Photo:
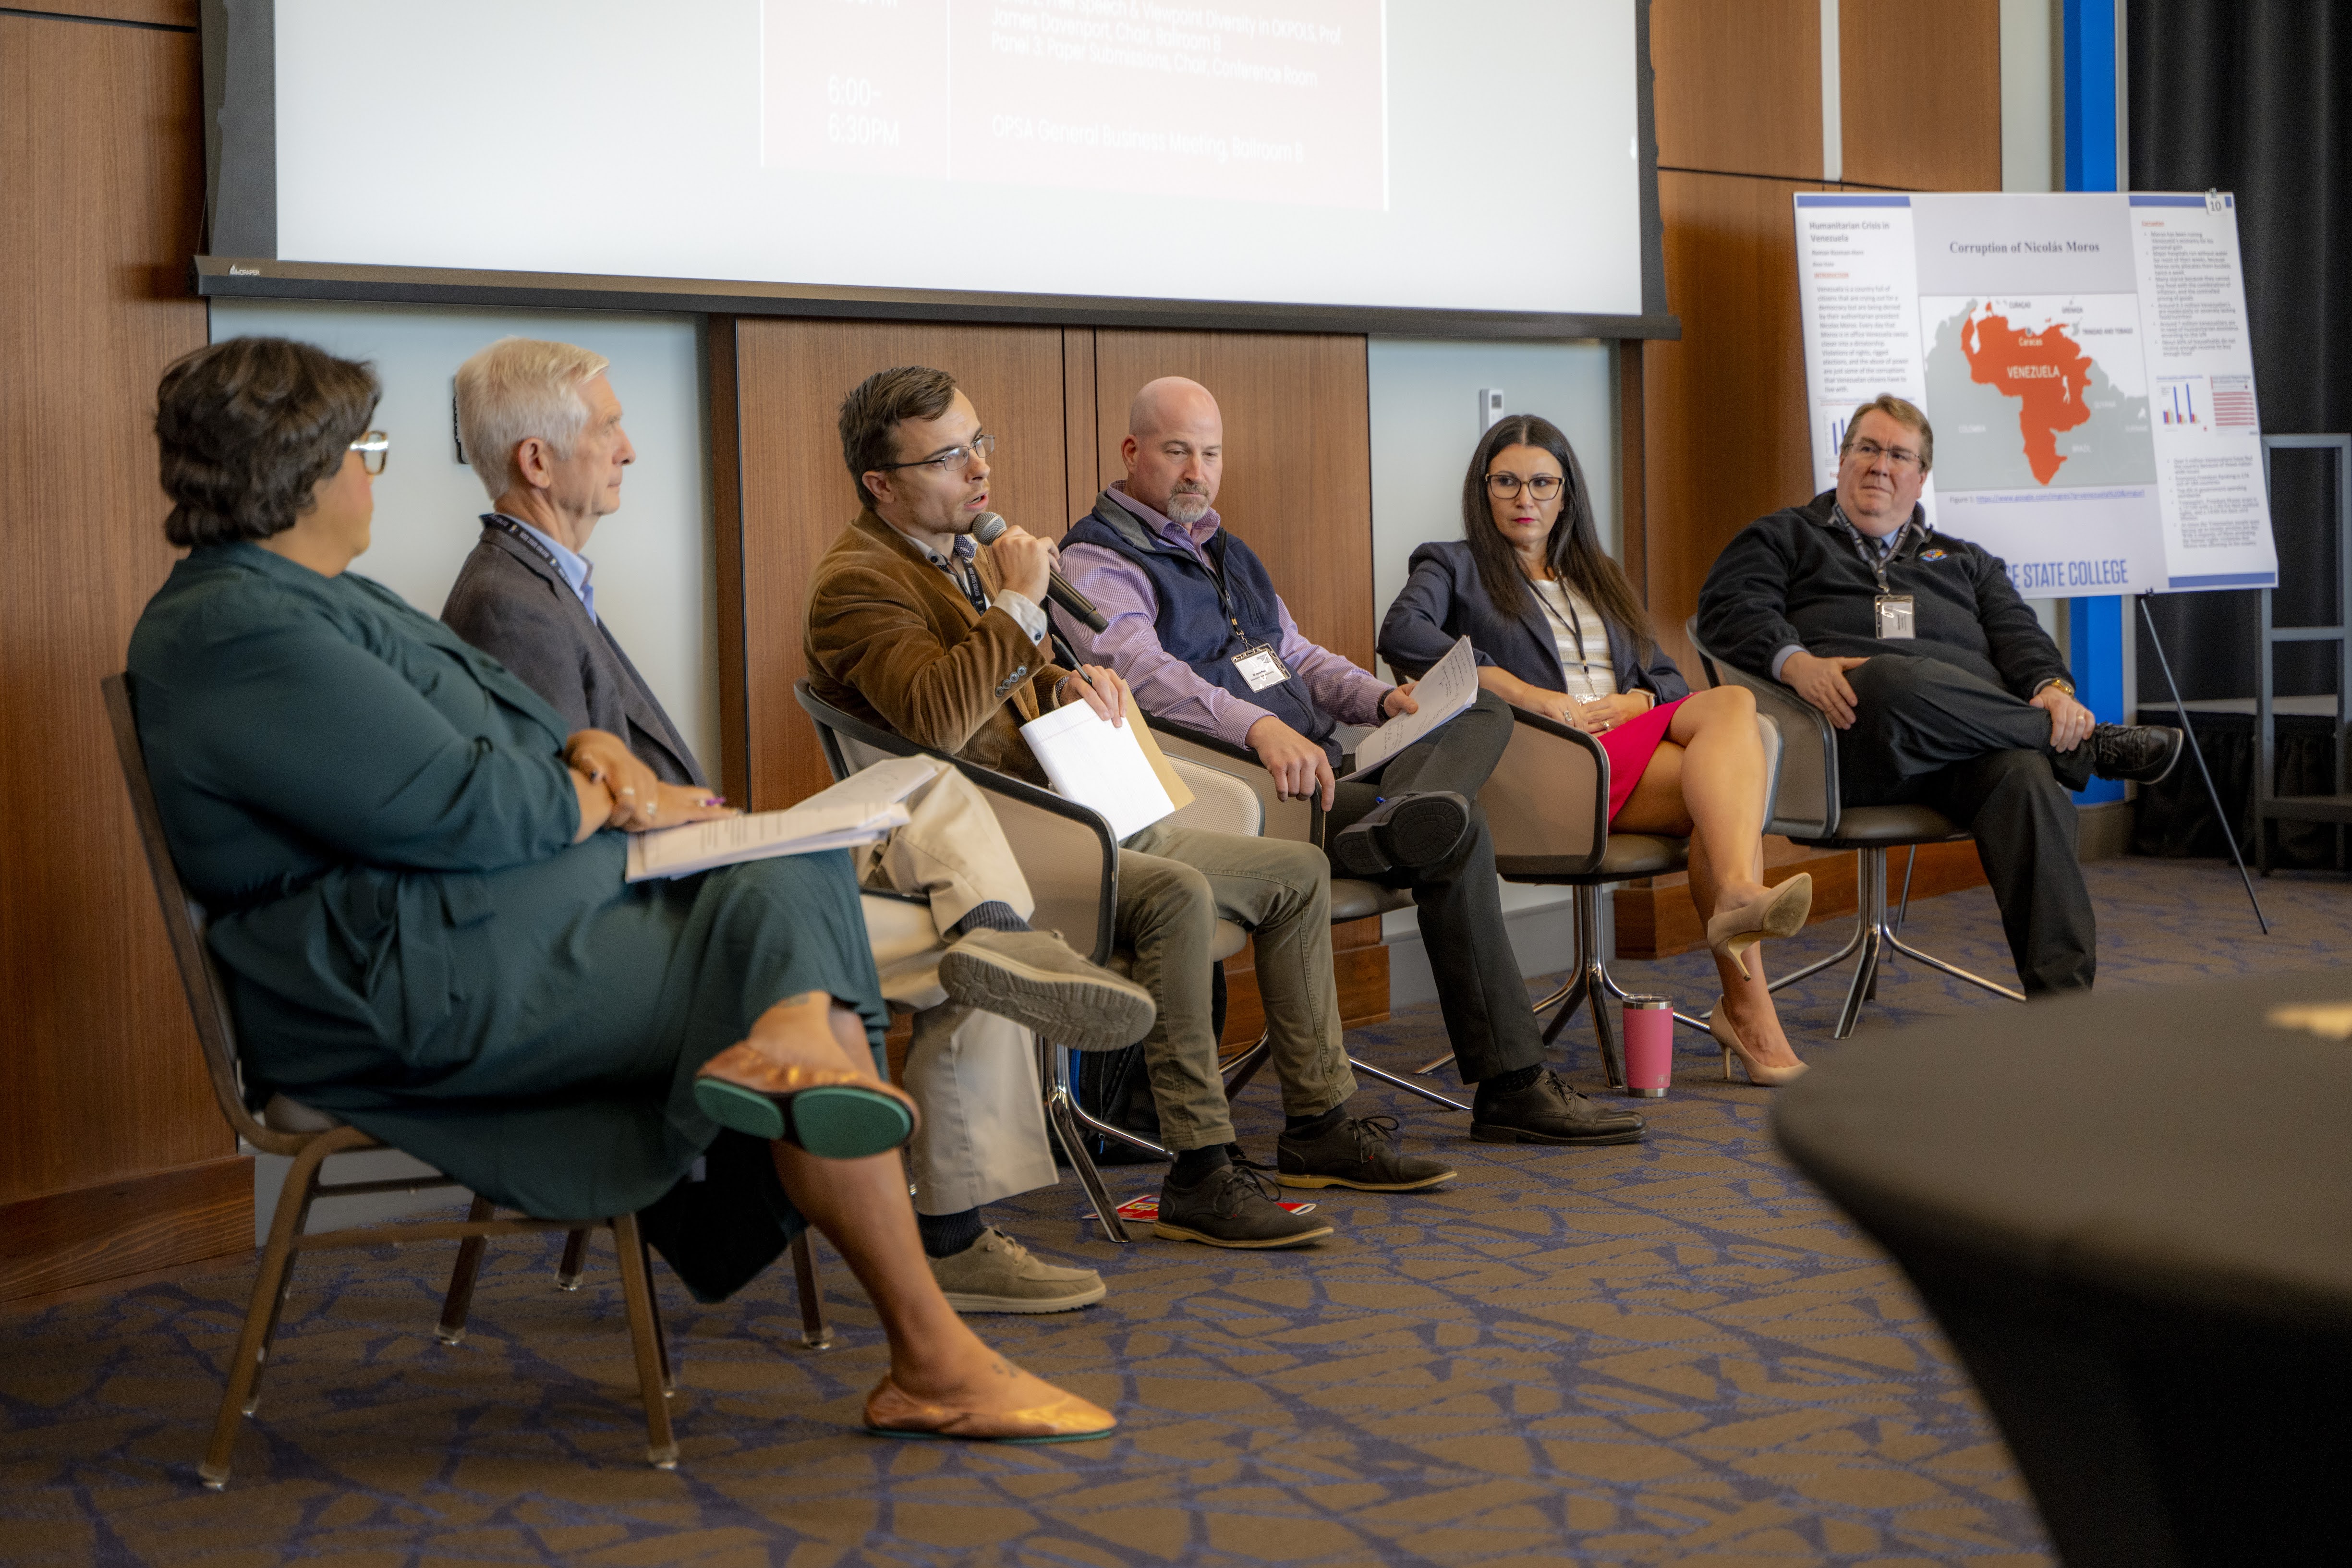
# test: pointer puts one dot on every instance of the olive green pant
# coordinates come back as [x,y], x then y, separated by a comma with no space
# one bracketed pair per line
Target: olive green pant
[1175,885]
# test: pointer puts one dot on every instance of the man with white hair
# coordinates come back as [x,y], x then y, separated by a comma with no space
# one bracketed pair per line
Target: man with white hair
[542,428]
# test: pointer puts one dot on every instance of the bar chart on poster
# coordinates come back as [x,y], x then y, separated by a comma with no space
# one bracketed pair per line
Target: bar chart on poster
[1279,105]
[2084,361]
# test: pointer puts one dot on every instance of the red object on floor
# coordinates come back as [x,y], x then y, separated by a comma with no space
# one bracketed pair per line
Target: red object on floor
[1629,747]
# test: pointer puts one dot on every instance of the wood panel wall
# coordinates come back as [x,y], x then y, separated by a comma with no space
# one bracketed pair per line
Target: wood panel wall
[1297,484]
[113,1158]
[797,495]
[1739,105]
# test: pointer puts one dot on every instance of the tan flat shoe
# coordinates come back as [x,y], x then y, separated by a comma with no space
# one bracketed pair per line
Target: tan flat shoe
[1779,911]
[891,1412]
[833,1113]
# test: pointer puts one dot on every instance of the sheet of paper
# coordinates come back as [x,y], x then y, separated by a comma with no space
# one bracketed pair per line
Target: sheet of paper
[858,810]
[1450,685]
[1100,764]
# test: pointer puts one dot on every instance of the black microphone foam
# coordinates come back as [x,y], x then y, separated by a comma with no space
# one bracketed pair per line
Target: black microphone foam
[988,527]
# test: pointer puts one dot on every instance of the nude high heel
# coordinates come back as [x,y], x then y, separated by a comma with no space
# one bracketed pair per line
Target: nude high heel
[1719,1025]
[1779,911]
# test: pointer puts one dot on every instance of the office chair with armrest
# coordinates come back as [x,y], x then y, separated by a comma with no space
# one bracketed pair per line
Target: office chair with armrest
[1071,863]
[1806,809]
[311,1138]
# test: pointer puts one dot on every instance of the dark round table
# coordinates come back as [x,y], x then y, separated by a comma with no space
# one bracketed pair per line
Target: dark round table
[2131,1212]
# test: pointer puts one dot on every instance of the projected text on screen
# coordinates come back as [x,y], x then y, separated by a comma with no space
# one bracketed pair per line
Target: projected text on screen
[1283,103]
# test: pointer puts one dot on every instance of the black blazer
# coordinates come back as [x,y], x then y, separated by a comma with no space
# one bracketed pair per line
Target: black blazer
[510,601]
[1445,598]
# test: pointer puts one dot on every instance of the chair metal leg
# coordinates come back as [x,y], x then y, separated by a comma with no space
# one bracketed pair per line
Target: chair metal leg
[575,1254]
[1407,1085]
[461,1300]
[1908,951]
[270,1283]
[1069,1121]
[815,1334]
[638,1296]
[1852,945]
[1877,939]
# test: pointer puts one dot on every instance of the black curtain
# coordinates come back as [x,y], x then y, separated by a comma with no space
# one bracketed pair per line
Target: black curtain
[2256,97]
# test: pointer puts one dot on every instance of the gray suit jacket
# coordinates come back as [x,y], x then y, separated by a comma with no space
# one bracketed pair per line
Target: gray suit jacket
[511,602]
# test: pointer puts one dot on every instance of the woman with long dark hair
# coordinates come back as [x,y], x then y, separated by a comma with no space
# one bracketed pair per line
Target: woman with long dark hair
[1559,631]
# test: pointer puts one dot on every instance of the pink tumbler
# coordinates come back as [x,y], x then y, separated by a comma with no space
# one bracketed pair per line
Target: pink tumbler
[1649,1046]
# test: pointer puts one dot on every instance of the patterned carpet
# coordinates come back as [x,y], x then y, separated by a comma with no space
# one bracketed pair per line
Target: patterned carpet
[1672,1352]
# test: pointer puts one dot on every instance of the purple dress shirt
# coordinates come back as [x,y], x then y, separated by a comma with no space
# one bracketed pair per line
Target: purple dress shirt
[1165,685]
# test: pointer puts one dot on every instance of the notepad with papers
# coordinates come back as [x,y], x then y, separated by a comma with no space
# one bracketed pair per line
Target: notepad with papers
[859,810]
[1104,766]
[1450,685]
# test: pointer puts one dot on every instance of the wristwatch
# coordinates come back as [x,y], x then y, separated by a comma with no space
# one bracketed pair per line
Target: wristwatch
[2060,681]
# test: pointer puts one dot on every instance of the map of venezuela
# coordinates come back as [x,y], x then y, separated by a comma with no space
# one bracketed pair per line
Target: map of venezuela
[2024,394]
[2043,370]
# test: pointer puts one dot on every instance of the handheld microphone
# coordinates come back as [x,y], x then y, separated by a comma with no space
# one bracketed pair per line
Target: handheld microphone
[988,527]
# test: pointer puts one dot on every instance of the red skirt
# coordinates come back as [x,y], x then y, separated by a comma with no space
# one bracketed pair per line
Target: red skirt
[1629,747]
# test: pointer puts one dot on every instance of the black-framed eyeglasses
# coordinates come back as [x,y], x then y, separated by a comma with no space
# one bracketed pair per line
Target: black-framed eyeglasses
[373,447]
[1543,487]
[954,458]
[1870,451]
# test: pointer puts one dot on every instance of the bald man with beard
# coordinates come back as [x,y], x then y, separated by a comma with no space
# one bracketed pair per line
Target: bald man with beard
[1195,627]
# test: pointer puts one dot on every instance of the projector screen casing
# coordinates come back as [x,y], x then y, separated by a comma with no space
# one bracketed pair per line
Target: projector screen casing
[241,58]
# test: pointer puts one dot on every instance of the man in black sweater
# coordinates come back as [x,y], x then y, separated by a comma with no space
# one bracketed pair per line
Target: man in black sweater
[1950,693]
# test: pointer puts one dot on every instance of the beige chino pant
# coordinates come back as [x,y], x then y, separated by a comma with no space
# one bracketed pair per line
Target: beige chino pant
[972,1074]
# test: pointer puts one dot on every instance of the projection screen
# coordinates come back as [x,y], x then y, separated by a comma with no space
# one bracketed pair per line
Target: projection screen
[1402,164]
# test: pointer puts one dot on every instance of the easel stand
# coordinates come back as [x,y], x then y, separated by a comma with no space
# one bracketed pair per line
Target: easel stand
[2229,832]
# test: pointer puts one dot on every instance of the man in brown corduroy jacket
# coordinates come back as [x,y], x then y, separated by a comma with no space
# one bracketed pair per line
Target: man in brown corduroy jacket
[914,627]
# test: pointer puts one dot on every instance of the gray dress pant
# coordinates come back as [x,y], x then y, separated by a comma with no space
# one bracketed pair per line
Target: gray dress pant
[1927,733]
[1480,990]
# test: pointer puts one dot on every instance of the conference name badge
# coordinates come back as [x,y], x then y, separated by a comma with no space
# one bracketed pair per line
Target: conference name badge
[1896,616]
[1261,666]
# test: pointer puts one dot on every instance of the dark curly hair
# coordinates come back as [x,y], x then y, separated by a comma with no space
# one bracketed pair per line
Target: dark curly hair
[871,415]
[248,429]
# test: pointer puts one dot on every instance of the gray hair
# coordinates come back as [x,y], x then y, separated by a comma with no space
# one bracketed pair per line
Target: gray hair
[1904,412]
[518,388]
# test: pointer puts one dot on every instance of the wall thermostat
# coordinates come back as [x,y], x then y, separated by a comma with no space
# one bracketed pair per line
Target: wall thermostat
[1490,408]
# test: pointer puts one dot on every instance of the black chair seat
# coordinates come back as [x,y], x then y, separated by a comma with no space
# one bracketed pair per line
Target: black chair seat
[1354,900]
[1627,855]
[1877,826]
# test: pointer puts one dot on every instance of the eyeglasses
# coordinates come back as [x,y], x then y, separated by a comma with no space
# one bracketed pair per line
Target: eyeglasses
[1543,487]
[1870,451]
[954,458]
[373,447]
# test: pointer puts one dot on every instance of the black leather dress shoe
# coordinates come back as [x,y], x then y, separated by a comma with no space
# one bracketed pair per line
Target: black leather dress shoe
[1405,832]
[1359,1153]
[2143,753]
[1548,1111]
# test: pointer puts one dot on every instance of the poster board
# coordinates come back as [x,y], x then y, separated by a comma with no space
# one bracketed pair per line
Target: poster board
[2085,360]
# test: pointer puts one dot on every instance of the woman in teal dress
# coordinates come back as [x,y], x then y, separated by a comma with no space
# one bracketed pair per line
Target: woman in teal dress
[422,916]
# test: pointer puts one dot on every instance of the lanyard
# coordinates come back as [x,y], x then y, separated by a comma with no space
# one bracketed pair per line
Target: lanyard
[1215,562]
[500,519]
[1877,561]
[1575,625]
